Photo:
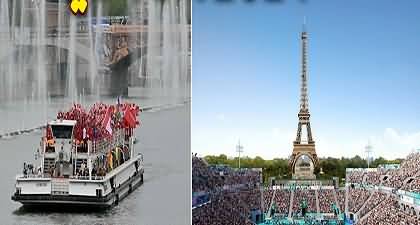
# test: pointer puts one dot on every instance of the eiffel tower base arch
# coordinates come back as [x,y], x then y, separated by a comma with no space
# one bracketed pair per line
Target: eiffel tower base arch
[303,172]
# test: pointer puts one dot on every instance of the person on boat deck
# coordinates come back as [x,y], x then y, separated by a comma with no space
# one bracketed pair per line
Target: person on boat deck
[51,171]
[82,168]
[39,171]
[24,169]
[94,170]
[29,169]
[84,139]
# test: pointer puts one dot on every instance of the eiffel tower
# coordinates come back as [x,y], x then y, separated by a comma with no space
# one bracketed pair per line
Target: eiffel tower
[304,145]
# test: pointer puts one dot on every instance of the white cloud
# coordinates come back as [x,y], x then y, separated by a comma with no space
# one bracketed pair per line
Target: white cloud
[393,144]
[390,144]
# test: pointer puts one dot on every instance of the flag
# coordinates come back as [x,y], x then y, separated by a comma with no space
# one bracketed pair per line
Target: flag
[130,118]
[106,123]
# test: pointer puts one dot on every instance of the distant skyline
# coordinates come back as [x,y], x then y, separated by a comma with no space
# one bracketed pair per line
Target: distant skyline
[364,77]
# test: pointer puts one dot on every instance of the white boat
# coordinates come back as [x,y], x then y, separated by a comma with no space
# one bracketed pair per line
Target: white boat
[94,173]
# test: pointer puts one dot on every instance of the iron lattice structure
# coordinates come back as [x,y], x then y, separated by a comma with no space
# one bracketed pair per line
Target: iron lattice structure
[304,143]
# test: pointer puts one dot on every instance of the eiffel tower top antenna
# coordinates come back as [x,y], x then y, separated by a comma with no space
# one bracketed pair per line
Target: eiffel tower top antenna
[304,105]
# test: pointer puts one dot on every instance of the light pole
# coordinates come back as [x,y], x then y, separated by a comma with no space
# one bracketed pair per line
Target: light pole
[239,148]
[368,150]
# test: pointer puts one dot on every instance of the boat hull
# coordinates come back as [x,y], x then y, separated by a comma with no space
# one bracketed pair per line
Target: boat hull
[113,198]
[125,181]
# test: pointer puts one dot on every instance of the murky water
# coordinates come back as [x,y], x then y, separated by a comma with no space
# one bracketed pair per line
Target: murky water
[164,198]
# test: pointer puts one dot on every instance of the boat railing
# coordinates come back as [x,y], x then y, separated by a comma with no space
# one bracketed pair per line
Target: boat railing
[32,176]
[87,177]
[104,145]
[49,176]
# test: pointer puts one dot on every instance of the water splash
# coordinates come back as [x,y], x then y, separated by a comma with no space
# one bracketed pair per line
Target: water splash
[98,44]
[5,45]
[28,68]
[41,48]
[167,46]
[93,70]
[71,75]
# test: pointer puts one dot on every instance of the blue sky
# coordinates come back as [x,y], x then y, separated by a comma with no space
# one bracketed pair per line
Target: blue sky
[364,76]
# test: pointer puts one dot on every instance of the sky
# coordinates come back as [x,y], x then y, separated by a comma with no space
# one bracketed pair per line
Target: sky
[363,71]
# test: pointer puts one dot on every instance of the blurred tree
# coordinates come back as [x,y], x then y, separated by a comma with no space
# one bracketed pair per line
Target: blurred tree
[331,167]
[110,7]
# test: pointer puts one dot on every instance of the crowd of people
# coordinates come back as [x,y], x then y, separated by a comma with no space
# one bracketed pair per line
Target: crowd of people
[281,200]
[238,194]
[223,209]
[326,200]
[304,196]
[366,177]
[357,196]
[233,194]
[268,196]
[389,213]
[341,198]
[202,178]
[212,178]
[414,185]
[280,203]
[391,177]
[355,176]
[409,168]
[376,199]
[379,207]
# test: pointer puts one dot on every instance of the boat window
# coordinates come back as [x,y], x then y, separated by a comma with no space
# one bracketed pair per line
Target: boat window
[62,131]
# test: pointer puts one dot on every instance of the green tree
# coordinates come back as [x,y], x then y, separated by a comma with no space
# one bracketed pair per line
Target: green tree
[331,167]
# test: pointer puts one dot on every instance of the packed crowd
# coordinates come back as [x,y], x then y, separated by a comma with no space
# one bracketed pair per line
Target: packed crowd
[213,178]
[341,198]
[233,177]
[302,196]
[375,200]
[355,177]
[282,201]
[374,207]
[268,195]
[379,207]
[245,200]
[221,210]
[409,168]
[357,196]
[366,177]
[234,194]
[394,178]
[374,178]
[389,213]
[414,185]
[202,178]
[326,200]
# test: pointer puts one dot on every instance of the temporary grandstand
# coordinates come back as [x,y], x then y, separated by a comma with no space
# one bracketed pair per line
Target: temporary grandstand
[387,195]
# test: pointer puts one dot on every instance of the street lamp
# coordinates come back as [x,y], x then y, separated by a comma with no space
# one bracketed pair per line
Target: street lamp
[239,148]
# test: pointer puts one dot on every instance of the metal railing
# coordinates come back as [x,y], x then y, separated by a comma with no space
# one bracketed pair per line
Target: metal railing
[32,176]
[87,177]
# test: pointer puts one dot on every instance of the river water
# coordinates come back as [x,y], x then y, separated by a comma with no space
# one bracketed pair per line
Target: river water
[164,140]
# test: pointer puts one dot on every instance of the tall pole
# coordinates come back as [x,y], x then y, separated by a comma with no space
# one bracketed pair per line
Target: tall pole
[368,150]
[239,148]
